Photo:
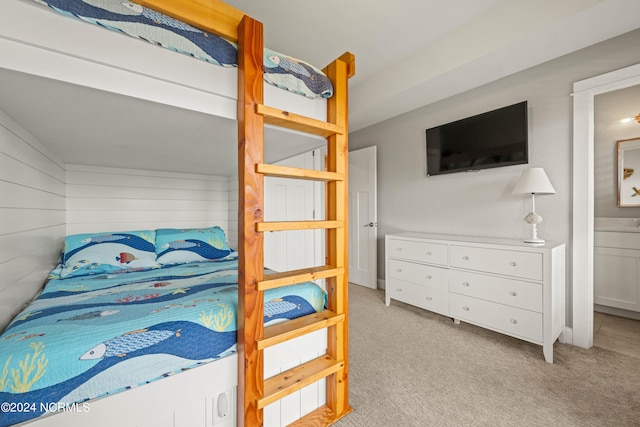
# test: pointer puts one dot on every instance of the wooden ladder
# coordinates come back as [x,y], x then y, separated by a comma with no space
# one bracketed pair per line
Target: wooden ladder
[254,391]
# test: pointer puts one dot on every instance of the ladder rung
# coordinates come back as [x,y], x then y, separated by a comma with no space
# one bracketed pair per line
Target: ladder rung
[288,172]
[274,116]
[297,225]
[294,328]
[284,278]
[321,417]
[279,386]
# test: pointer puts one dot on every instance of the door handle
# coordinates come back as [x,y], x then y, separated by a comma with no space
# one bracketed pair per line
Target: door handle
[371,224]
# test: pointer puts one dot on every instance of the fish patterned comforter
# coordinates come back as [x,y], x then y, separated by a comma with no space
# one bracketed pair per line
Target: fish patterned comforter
[91,336]
[146,24]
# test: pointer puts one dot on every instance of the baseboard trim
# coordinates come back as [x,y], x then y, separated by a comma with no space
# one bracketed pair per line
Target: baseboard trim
[566,337]
[382,284]
[620,312]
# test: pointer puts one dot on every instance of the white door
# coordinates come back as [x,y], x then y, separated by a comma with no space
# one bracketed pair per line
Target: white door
[363,217]
[291,200]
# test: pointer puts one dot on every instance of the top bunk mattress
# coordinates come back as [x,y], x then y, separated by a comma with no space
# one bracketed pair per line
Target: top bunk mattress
[36,40]
[141,22]
[90,336]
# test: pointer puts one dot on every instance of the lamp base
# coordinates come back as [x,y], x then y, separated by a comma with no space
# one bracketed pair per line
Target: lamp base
[535,241]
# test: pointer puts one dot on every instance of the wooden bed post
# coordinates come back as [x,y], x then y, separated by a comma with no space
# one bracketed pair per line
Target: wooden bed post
[250,212]
[337,244]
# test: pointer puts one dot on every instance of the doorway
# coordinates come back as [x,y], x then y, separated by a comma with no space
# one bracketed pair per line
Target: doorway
[584,93]
[363,218]
[616,212]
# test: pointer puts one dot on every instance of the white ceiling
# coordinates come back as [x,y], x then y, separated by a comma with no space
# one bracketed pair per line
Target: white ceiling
[409,53]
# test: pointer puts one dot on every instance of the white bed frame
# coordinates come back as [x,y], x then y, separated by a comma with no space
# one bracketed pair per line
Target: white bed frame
[199,397]
[38,41]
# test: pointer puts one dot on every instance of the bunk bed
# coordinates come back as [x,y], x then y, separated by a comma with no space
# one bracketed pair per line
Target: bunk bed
[316,345]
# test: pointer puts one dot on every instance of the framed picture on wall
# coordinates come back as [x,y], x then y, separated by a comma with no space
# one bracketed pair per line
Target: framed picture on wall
[629,172]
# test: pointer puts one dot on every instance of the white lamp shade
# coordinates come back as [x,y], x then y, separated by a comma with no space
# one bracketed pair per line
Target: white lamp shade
[533,181]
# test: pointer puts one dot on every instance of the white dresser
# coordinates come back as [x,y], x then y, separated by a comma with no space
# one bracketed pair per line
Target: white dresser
[504,285]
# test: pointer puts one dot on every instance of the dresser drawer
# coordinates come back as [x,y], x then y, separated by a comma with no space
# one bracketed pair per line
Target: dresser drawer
[513,321]
[428,275]
[526,265]
[433,253]
[506,291]
[421,296]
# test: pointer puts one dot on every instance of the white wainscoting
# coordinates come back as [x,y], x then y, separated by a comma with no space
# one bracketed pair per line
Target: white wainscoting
[232,235]
[32,216]
[113,199]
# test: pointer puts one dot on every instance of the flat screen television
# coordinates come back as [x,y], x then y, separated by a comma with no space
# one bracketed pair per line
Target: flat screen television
[488,140]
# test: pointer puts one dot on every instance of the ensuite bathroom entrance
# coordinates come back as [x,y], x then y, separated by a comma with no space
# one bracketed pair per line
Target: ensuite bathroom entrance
[616,251]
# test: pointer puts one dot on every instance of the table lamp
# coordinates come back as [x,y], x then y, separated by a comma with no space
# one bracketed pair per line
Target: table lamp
[533,181]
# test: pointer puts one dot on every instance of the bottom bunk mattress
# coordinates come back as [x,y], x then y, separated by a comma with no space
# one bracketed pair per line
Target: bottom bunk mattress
[92,336]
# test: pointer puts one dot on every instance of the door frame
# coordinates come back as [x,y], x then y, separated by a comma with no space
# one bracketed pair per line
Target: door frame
[584,92]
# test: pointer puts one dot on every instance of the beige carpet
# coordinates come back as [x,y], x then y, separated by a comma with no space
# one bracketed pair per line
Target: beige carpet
[410,367]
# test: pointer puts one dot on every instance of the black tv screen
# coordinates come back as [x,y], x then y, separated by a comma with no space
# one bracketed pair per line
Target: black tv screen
[488,140]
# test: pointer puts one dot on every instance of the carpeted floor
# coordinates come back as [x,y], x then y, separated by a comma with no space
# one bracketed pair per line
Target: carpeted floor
[410,367]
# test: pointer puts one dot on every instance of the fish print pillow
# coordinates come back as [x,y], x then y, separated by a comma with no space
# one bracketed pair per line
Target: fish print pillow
[295,75]
[179,246]
[117,252]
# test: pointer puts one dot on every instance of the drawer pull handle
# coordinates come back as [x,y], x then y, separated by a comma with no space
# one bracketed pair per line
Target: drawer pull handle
[428,298]
[466,258]
[466,284]
[514,321]
[398,249]
[399,290]
[428,276]
[513,264]
[513,293]
[428,253]
[465,308]
[398,270]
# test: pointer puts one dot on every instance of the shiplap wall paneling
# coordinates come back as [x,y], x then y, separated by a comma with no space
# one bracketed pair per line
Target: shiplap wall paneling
[32,216]
[232,235]
[112,199]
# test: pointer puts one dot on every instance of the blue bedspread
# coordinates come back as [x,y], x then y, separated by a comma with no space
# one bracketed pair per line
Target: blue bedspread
[90,336]
[146,24]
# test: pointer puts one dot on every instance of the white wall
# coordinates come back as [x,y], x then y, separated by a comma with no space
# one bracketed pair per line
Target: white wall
[32,216]
[111,199]
[480,203]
